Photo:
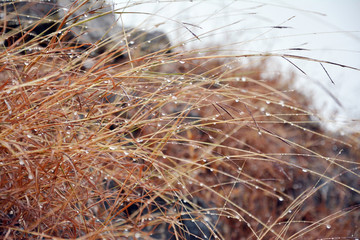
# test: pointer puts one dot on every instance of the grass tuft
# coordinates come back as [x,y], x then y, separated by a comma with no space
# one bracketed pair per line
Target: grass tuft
[164,145]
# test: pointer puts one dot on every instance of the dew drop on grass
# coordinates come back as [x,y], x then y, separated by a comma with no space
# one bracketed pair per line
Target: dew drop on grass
[181,62]
[328,226]
[112,147]
[267,102]
[282,103]
[237,79]
[243,79]
[304,170]
[21,162]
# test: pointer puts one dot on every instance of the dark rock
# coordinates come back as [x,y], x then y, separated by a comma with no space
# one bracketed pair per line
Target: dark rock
[92,25]
[190,224]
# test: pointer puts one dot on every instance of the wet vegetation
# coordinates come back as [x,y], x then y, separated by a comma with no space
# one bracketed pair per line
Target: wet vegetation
[163,144]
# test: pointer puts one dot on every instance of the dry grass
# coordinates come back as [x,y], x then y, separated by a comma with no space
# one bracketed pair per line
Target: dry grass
[208,149]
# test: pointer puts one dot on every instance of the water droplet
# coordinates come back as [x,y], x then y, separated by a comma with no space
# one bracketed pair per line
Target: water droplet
[267,102]
[112,147]
[21,162]
[282,103]
[304,170]
[243,79]
[328,226]
[281,199]
[181,62]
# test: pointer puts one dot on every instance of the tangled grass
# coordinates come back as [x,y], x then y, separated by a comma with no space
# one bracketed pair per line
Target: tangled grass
[166,146]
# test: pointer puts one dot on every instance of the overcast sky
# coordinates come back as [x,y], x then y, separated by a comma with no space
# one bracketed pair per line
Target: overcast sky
[329,29]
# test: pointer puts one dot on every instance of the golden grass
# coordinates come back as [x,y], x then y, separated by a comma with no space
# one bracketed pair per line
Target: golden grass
[207,149]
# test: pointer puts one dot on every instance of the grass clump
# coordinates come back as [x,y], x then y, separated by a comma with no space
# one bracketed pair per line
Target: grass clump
[164,145]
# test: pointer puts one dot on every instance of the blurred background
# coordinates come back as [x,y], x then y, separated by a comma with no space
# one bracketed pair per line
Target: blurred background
[323,29]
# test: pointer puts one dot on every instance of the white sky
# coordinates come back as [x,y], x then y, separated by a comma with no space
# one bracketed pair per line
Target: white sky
[329,28]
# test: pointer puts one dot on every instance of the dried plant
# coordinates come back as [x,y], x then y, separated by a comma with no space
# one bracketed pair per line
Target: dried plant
[164,145]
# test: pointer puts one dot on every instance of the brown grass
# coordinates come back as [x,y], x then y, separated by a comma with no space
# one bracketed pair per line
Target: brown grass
[125,150]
